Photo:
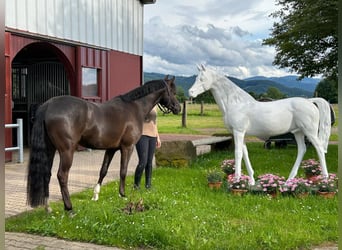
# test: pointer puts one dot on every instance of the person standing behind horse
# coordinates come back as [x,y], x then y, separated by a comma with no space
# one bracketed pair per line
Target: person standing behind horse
[146,146]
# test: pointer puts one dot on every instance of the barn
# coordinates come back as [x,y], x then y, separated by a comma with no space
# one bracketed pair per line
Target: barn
[87,48]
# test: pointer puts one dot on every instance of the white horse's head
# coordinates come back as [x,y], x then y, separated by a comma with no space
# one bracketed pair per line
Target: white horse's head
[204,80]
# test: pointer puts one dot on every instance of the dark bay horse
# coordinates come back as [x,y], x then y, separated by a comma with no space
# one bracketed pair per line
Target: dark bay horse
[62,123]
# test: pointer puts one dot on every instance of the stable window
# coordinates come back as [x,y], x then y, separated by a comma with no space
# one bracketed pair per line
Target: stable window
[89,82]
[19,79]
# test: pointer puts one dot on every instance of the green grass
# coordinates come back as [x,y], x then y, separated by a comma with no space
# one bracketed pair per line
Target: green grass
[196,123]
[183,213]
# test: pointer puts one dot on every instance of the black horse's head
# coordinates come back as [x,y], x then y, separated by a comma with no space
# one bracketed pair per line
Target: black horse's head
[168,100]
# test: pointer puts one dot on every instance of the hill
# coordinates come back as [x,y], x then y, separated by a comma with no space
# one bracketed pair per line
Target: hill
[308,84]
[288,85]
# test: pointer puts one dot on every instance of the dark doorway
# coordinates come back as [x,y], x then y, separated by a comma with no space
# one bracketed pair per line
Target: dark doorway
[37,75]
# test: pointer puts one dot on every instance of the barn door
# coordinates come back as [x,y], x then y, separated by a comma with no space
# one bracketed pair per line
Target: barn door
[34,84]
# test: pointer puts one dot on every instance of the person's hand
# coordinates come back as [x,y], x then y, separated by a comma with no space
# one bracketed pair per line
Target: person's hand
[158,142]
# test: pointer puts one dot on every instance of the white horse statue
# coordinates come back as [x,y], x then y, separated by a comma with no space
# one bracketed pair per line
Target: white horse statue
[243,115]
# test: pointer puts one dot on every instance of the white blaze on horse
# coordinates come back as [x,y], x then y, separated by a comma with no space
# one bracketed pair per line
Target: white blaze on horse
[243,115]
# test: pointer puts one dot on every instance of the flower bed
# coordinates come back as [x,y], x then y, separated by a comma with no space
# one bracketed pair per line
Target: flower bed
[273,184]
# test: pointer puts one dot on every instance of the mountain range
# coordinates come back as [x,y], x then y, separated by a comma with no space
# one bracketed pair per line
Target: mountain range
[288,85]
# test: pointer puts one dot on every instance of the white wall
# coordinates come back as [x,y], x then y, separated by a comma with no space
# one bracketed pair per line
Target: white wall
[113,24]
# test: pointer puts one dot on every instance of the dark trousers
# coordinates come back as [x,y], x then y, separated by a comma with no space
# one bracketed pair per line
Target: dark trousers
[145,148]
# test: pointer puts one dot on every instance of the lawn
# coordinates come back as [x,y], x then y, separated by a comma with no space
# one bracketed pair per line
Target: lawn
[181,212]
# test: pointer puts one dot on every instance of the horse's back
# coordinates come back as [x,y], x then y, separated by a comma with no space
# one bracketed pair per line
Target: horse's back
[72,120]
[65,108]
[65,119]
[265,119]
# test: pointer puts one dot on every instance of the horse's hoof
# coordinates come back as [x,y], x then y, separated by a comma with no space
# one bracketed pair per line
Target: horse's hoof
[123,196]
[48,210]
[71,214]
[95,197]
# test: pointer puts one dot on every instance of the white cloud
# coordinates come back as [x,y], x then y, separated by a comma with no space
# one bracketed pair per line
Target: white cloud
[224,34]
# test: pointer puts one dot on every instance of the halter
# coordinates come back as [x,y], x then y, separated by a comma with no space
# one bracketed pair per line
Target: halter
[164,108]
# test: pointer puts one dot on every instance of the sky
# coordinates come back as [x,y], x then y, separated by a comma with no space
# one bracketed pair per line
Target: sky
[224,34]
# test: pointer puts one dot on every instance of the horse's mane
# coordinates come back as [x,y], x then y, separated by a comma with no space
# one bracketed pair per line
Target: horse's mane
[144,90]
[228,87]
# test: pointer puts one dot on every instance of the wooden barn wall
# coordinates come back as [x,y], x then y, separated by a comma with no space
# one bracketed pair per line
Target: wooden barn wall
[118,72]
[111,24]
[125,73]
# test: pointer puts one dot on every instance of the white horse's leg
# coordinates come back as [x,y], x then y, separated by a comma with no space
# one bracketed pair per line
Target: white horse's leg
[48,209]
[97,190]
[299,136]
[248,164]
[321,155]
[238,141]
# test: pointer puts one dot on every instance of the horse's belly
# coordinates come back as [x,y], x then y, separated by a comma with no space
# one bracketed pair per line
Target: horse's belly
[267,127]
[98,141]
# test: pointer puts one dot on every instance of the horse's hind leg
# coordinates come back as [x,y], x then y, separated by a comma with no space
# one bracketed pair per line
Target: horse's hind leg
[320,152]
[299,136]
[248,164]
[103,172]
[126,153]
[238,152]
[66,158]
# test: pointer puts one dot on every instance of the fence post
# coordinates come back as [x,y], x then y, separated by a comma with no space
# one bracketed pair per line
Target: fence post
[184,115]
[202,105]
[20,144]
[20,140]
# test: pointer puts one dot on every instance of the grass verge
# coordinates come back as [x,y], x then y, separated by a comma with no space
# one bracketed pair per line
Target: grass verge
[181,212]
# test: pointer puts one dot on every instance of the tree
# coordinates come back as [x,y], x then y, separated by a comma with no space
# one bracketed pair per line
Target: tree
[274,93]
[326,89]
[180,94]
[305,37]
[206,97]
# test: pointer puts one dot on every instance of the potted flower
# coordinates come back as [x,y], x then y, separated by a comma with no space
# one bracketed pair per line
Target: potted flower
[312,169]
[238,187]
[299,187]
[269,183]
[214,178]
[328,187]
[228,166]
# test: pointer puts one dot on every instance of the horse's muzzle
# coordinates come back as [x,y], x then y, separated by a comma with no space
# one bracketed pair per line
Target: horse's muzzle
[177,110]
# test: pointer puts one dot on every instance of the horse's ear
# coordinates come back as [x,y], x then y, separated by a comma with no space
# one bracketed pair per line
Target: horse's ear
[173,78]
[203,67]
[166,78]
[198,67]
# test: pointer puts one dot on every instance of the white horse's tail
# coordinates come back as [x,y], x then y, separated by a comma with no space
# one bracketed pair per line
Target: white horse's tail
[325,114]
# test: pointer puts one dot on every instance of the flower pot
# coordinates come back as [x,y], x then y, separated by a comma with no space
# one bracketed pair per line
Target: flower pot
[302,195]
[239,192]
[273,194]
[215,185]
[327,195]
[312,177]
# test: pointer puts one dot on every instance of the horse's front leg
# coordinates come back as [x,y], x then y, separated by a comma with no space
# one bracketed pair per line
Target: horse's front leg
[248,164]
[126,153]
[238,141]
[103,172]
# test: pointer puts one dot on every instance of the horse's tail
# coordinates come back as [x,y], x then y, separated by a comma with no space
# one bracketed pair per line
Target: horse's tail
[41,159]
[325,117]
